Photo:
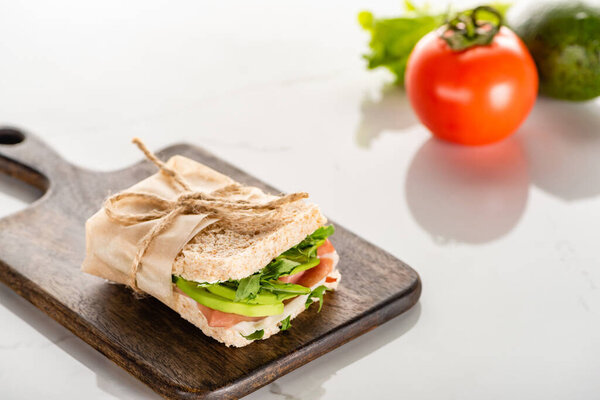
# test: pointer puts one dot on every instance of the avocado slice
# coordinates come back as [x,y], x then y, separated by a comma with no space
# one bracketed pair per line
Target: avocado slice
[263,297]
[286,289]
[211,300]
[303,267]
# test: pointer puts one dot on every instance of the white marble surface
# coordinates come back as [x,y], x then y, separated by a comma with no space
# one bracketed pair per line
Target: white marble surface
[505,237]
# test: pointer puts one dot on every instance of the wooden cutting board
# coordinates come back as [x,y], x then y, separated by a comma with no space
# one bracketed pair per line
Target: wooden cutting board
[42,247]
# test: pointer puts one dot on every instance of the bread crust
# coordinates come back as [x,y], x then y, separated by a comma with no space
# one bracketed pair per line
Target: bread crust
[220,254]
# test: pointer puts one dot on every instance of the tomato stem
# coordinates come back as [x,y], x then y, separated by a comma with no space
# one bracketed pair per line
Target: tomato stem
[466,29]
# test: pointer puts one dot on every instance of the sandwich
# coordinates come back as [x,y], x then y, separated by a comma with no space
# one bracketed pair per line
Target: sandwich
[237,297]
[238,263]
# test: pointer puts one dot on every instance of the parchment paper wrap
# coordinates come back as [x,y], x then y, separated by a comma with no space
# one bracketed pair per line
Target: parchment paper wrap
[111,246]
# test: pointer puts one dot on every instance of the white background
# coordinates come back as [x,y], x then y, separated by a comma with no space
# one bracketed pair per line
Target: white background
[505,237]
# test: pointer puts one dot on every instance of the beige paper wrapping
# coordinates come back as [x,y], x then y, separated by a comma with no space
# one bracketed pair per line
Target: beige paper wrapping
[111,246]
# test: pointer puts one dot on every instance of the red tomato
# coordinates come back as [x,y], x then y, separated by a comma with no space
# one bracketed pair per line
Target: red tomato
[476,96]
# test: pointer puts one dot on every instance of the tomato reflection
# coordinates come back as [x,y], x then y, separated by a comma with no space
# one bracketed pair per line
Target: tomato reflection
[466,194]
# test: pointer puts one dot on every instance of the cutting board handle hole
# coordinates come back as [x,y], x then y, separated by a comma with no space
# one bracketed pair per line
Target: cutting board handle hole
[10,136]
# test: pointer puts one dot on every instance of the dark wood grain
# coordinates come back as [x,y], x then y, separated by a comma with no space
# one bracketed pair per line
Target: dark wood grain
[42,247]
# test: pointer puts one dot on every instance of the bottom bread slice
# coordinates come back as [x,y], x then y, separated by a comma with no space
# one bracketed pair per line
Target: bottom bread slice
[188,309]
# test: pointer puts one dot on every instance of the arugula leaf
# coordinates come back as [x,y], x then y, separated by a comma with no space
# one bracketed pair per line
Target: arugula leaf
[248,288]
[307,249]
[279,266]
[392,39]
[256,335]
[303,253]
[318,294]
[322,233]
[285,324]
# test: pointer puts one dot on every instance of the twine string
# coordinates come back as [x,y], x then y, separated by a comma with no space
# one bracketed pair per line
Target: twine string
[216,204]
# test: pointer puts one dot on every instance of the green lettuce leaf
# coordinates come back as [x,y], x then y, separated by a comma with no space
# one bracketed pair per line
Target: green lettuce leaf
[392,39]
[303,253]
[256,335]
[307,249]
[285,324]
[278,267]
[248,288]
[318,294]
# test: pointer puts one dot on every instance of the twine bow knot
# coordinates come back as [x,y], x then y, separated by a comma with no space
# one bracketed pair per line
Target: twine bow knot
[215,205]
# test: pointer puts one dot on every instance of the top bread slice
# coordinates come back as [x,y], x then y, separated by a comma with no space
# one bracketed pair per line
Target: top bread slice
[220,252]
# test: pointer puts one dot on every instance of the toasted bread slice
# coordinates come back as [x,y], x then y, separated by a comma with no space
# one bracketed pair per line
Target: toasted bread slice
[219,253]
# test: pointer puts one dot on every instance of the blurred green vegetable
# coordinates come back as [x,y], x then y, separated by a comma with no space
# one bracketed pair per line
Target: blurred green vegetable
[392,39]
[564,40]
